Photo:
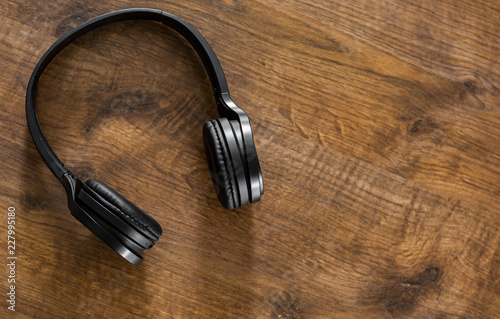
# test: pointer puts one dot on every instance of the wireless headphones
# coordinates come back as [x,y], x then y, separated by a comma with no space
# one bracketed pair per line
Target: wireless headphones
[229,146]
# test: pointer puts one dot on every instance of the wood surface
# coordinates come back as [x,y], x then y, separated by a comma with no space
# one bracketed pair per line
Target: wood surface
[377,126]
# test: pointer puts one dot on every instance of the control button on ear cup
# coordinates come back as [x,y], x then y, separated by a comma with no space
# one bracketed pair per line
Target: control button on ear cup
[127,211]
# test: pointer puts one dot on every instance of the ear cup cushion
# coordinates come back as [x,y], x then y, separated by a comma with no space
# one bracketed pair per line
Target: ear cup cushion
[220,165]
[124,209]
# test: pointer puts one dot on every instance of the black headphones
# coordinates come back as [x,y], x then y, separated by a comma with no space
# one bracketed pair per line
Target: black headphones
[229,146]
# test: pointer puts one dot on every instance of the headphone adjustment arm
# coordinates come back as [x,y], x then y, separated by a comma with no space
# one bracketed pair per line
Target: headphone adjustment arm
[69,181]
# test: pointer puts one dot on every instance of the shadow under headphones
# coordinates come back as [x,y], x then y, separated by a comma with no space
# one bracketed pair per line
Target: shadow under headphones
[229,146]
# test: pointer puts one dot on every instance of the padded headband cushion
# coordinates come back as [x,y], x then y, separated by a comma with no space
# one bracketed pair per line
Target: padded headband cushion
[124,209]
[220,165]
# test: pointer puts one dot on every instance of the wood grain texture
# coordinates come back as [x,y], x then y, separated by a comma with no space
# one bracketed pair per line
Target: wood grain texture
[377,125]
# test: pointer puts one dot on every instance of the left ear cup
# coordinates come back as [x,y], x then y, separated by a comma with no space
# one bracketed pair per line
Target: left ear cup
[225,163]
[125,210]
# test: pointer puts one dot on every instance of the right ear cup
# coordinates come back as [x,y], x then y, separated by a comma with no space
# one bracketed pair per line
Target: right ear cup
[124,209]
[225,163]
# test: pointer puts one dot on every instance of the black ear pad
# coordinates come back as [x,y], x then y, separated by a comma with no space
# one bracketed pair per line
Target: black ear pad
[124,209]
[220,165]
[225,163]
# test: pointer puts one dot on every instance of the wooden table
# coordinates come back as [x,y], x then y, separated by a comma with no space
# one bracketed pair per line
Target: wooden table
[377,125]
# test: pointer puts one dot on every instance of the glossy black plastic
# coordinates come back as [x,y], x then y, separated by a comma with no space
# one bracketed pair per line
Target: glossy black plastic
[121,237]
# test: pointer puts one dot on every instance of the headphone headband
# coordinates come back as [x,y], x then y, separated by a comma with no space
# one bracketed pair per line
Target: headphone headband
[207,55]
[231,154]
